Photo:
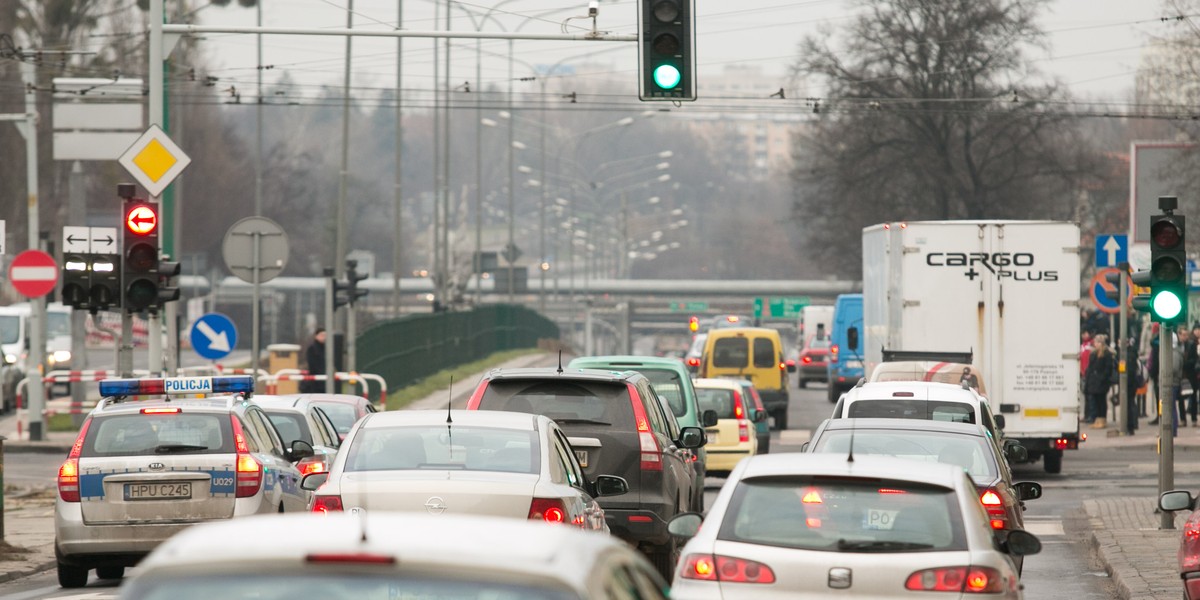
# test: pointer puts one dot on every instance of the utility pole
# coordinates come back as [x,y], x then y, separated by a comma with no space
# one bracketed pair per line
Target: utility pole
[330,336]
[397,246]
[37,321]
[1123,347]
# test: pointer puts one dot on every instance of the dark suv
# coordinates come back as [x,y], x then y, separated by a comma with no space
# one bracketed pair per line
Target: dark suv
[616,425]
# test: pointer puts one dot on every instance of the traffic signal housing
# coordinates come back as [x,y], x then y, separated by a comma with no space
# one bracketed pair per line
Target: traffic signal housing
[140,233]
[77,280]
[105,289]
[1168,269]
[667,50]
[168,282]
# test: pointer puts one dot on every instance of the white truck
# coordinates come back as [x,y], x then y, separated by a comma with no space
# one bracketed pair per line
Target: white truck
[1006,291]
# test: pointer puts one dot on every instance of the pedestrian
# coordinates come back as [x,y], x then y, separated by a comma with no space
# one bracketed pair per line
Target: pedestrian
[1098,381]
[1191,370]
[1152,368]
[314,357]
[1085,351]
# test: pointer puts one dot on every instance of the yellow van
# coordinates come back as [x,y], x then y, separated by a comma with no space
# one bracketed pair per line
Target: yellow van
[754,353]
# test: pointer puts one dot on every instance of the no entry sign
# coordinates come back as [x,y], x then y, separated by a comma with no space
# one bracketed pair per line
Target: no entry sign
[33,273]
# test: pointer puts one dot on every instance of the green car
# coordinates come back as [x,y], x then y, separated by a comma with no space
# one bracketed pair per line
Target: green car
[671,381]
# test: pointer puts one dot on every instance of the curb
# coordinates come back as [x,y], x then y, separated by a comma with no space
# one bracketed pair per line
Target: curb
[34,570]
[1114,572]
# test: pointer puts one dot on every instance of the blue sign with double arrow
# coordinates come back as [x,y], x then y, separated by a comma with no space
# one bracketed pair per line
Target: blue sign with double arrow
[1111,250]
[213,336]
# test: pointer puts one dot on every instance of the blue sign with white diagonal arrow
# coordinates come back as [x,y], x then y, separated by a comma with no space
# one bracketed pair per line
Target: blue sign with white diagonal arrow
[1111,250]
[213,336]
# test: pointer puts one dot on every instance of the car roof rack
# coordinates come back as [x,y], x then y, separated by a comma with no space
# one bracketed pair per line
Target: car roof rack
[940,356]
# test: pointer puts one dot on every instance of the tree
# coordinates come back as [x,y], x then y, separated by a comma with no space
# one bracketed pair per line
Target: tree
[931,112]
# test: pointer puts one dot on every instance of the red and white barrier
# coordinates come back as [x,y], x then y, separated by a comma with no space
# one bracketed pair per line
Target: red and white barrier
[358,379]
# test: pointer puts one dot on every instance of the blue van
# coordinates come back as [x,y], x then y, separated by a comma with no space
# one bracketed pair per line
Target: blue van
[846,351]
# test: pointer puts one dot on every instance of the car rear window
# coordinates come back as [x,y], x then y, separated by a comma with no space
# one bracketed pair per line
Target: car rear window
[334,586]
[836,514]
[818,343]
[896,408]
[291,426]
[343,415]
[444,447]
[667,385]
[171,433]
[718,399]
[764,353]
[565,401]
[731,352]
[970,452]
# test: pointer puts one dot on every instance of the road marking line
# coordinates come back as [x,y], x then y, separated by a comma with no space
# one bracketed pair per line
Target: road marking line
[1045,528]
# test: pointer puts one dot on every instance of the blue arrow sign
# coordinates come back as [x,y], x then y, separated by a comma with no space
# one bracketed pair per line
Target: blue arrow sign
[213,336]
[1111,250]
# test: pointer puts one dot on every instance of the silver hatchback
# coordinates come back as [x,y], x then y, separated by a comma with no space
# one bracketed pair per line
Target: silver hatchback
[140,471]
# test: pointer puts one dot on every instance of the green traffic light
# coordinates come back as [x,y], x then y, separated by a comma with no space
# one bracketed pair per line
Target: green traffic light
[666,77]
[1166,305]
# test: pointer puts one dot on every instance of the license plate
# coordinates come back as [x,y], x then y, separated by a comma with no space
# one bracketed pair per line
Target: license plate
[581,456]
[158,491]
[854,364]
[878,518]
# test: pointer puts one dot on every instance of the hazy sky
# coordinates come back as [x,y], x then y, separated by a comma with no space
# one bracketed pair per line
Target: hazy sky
[1095,45]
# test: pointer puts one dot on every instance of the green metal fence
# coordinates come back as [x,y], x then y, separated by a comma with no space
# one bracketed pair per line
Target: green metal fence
[410,348]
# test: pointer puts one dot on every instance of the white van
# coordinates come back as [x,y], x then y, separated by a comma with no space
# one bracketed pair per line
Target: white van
[14,323]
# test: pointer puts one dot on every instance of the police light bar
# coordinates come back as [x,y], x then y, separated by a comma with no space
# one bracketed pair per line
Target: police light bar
[230,384]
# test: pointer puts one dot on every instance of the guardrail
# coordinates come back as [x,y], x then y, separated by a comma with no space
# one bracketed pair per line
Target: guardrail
[357,379]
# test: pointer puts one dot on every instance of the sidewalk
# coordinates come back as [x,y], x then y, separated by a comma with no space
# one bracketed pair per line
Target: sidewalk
[1140,558]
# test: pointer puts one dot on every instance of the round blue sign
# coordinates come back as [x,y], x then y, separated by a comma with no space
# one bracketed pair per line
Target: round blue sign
[213,336]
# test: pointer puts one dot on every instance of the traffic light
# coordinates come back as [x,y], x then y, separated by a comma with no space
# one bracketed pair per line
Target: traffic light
[1168,268]
[694,324]
[1141,300]
[352,279]
[77,278]
[105,289]
[667,50]
[141,255]
[168,285]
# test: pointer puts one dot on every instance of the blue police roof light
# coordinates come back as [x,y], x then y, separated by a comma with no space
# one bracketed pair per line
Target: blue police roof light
[230,384]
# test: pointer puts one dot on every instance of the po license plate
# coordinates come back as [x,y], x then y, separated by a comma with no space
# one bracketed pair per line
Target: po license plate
[877,518]
[581,456]
[158,491]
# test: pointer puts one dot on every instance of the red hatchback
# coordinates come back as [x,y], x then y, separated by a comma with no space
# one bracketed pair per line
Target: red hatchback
[812,361]
[1189,541]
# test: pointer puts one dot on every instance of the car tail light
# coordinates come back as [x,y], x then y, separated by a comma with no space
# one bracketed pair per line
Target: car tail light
[833,353]
[360,558]
[812,497]
[550,510]
[327,504]
[738,411]
[249,470]
[650,453]
[161,411]
[693,362]
[743,431]
[806,359]
[68,473]
[790,362]
[995,508]
[312,465]
[1189,557]
[976,580]
[709,567]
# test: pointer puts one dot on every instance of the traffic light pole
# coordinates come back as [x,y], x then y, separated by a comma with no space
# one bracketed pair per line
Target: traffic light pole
[154,343]
[1166,419]
[1123,351]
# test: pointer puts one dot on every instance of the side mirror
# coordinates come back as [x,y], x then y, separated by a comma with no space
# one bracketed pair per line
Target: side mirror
[610,485]
[1176,500]
[999,419]
[685,525]
[300,450]
[760,416]
[1021,543]
[691,437]
[1028,490]
[312,481]
[1015,452]
[708,418]
[852,338]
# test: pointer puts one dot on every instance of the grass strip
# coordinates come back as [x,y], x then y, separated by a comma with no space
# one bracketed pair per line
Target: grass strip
[441,380]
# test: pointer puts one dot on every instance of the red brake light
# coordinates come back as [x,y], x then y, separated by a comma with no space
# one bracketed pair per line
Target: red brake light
[733,318]
[976,580]
[710,567]
[902,394]
[833,353]
[738,411]
[990,498]
[651,454]
[806,359]
[327,504]
[811,497]
[249,470]
[312,465]
[550,510]
[360,559]
[693,362]
[160,411]
[68,473]
[995,508]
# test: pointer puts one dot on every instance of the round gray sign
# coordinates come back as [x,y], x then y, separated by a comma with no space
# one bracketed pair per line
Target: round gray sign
[241,242]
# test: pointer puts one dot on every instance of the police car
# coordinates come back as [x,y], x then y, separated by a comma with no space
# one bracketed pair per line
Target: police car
[146,465]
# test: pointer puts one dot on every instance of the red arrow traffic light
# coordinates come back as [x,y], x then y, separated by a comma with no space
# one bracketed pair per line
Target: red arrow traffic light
[141,220]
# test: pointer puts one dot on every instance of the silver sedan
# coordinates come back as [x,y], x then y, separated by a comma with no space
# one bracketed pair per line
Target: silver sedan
[492,463]
[838,526]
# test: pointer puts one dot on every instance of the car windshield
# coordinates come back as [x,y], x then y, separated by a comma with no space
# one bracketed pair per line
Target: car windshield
[667,385]
[732,352]
[442,447]
[10,329]
[718,399]
[291,426]
[594,402]
[138,434]
[58,324]
[332,585]
[971,452]
[836,514]
[342,414]
[896,408]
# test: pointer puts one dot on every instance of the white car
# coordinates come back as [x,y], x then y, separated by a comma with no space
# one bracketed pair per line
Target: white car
[838,526]
[495,463]
[919,400]
[391,555]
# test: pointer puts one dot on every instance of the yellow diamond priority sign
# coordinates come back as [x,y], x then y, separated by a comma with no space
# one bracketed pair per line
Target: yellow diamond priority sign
[154,160]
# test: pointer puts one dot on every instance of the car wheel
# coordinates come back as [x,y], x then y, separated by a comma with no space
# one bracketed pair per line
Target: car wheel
[832,391]
[664,558]
[781,419]
[1052,461]
[71,576]
[110,572]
